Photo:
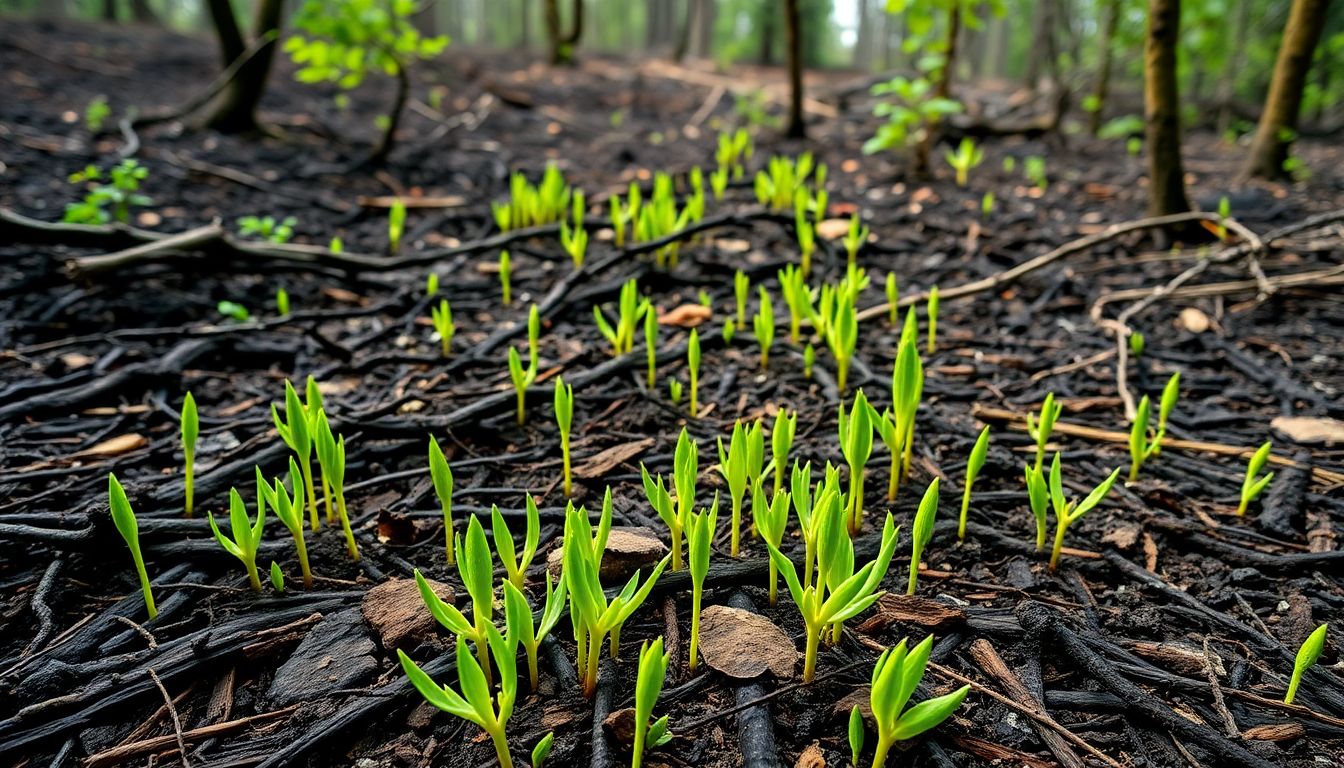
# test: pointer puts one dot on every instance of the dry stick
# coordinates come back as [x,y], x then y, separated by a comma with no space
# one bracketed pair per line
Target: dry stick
[993,665]
[1229,723]
[1018,421]
[126,752]
[177,720]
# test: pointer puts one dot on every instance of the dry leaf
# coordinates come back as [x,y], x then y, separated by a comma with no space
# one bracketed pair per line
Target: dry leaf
[744,645]
[1194,320]
[113,447]
[602,463]
[1310,429]
[686,316]
[344,296]
[812,757]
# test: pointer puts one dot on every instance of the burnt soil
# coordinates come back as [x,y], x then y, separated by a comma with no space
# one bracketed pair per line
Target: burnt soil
[1157,642]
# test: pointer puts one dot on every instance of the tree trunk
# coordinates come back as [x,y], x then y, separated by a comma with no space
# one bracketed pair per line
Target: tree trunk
[863,40]
[562,44]
[704,37]
[235,111]
[942,89]
[142,13]
[1161,107]
[231,42]
[1101,89]
[1042,26]
[684,34]
[1278,122]
[793,39]
[389,138]
[109,10]
[767,54]
[1227,83]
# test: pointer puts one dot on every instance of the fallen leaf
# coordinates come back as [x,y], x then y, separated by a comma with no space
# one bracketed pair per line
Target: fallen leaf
[1310,429]
[812,757]
[113,447]
[1123,536]
[596,466]
[912,609]
[1194,320]
[344,296]
[686,315]
[744,645]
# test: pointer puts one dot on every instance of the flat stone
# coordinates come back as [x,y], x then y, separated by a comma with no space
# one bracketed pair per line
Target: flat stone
[397,613]
[628,549]
[336,653]
[745,645]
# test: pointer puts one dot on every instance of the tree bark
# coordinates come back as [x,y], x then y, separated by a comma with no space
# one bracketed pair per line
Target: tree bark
[704,39]
[1161,107]
[863,40]
[389,138]
[231,43]
[562,44]
[684,34]
[142,13]
[796,129]
[1228,81]
[1103,85]
[942,89]
[1278,122]
[235,111]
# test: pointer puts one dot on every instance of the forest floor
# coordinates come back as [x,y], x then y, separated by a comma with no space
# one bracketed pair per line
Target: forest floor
[1165,638]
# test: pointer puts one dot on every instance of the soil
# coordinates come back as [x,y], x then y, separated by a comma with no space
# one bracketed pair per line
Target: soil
[1164,638]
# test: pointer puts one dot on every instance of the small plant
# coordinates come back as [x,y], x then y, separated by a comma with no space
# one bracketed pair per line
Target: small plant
[475,566]
[246,534]
[442,475]
[648,684]
[674,391]
[109,198]
[1141,446]
[575,243]
[332,457]
[933,319]
[1307,655]
[781,440]
[277,578]
[809,360]
[893,299]
[923,532]
[895,678]
[191,428]
[764,324]
[543,749]
[987,205]
[1254,484]
[798,297]
[1039,428]
[973,466]
[506,277]
[685,467]
[234,311]
[1170,393]
[693,366]
[1137,342]
[294,431]
[855,238]
[523,377]
[967,156]
[267,228]
[124,518]
[476,704]
[651,345]
[733,466]
[432,284]
[396,225]
[847,599]
[630,310]
[96,113]
[771,520]
[564,418]
[807,243]
[896,427]
[855,734]
[741,290]
[290,511]
[700,530]
[442,318]
[516,563]
[1034,169]
[1067,514]
[1038,494]
[529,205]
[856,443]
[521,631]
[282,301]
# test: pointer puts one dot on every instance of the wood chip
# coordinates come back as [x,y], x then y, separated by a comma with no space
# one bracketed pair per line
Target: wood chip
[744,645]
[599,465]
[912,609]
[1308,429]
[686,315]
[115,446]
[1274,732]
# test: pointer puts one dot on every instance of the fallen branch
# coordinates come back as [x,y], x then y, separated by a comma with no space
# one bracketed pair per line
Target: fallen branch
[124,752]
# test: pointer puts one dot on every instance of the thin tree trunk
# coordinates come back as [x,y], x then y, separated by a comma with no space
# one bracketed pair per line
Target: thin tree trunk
[942,89]
[684,35]
[236,109]
[109,10]
[231,42]
[562,44]
[793,38]
[704,39]
[863,41]
[389,138]
[1227,83]
[1103,85]
[767,54]
[1278,122]
[1161,107]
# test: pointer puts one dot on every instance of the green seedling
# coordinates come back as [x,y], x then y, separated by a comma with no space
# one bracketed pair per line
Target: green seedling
[442,317]
[809,360]
[109,198]
[798,298]
[336,245]
[718,182]
[515,562]
[522,632]
[282,302]
[564,419]
[967,156]
[856,443]
[234,311]
[923,532]
[847,598]
[1254,484]
[1067,514]
[620,221]
[781,441]
[96,113]
[933,319]
[396,225]
[124,518]
[741,290]
[836,320]
[648,684]
[807,243]
[893,299]
[685,463]
[974,464]
[277,577]
[1141,446]
[442,475]
[693,367]
[191,429]
[630,310]
[764,324]
[475,566]
[432,284]
[332,457]
[1039,428]
[1038,494]
[896,426]
[543,749]
[529,205]
[856,734]
[855,238]
[1034,168]
[267,228]
[323,439]
[1307,655]
[729,331]
[523,377]
[294,430]
[475,704]
[575,243]
[674,391]
[895,677]
[289,509]
[700,530]
[1170,393]
[987,205]
[771,519]
[506,277]
[651,344]
[733,465]
[246,534]
[1137,342]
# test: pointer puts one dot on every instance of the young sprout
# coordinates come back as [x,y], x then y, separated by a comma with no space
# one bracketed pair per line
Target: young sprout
[506,276]
[629,310]
[798,297]
[856,443]
[987,205]
[895,678]
[1307,655]
[733,466]
[685,464]
[893,299]
[516,563]
[324,441]
[191,429]
[651,343]
[855,734]
[855,238]
[277,577]
[809,360]
[246,534]
[693,365]
[332,457]
[124,518]
[700,530]
[475,705]
[1038,494]
[564,418]
[674,391]
[432,284]
[967,156]
[648,684]
[620,221]
[1067,514]
[1139,447]
[807,243]
[523,377]
[1170,393]
[442,475]
[543,748]
[1034,168]
[475,566]
[781,440]
[396,225]
[741,289]
[1137,342]
[575,242]
[295,432]
[290,511]
[1040,428]
[933,319]
[973,466]
[764,323]
[923,532]
[771,520]
[521,631]
[442,316]
[847,598]
[1253,485]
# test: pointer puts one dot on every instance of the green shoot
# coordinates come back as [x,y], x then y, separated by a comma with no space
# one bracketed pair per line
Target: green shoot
[798,297]
[191,429]
[246,534]
[323,440]
[700,530]
[923,532]
[651,344]
[1307,655]
[234,311]
[475,566]
[564,419]
[1067,514]
[781,440]
[847,599]
[1137,342]
[648,684]
[620,221]
[282,302]
[432,284]
[1253,485]
[987,205]
[693,366]
[110,198]
[685,464]
[442,475]
[1034,168]
[1038,494]
[442,317]
[543,748]
[629,311]
[396,225]
[895,677]
[1040,428]
[973,466]
[516,563]
[893,299]
[1170,393]
[523,377]
[741,289]
[855,238]
[771,519]
[933,319]
[764,323]
[674,391]
[277,577]
[855,734]
[332,457]
[807,243]
[295,432]
[729,331]
[521,631]
[856,443]
[1139,447]
[896,426]
[575,243]
[267,228]
[475,705]
[506,277]
[124,518]
[733,467]
[809,360]
[967,156]
[96,113]
[290,511]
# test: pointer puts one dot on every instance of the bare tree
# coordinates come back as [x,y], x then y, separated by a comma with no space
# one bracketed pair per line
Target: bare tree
[1161,110]
[562,43]
[1278,122]
[235,110]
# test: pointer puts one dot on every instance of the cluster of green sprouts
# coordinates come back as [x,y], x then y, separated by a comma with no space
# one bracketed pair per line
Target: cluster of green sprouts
[110,196]
[896,675]
[1142,444]
[530,205]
